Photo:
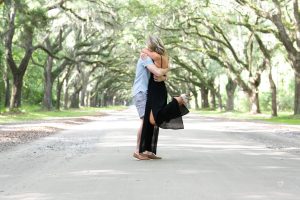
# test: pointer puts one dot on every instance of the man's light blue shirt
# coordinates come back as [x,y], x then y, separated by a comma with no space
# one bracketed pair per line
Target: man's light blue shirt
[142,76]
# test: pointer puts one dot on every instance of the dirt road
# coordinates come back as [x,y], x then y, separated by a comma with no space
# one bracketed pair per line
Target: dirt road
[212,159]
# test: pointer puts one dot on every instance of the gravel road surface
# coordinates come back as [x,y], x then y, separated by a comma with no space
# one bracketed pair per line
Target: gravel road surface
[211,159]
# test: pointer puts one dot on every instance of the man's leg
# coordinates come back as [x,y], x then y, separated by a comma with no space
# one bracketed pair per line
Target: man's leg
[137,150]
[137,154]
[140,103]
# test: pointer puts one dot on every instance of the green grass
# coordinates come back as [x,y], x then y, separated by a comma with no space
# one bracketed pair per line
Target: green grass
[283,117]
[30,113]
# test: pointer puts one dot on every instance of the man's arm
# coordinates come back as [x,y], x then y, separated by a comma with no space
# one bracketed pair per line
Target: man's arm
[157,71]
[152,67]
[160,78]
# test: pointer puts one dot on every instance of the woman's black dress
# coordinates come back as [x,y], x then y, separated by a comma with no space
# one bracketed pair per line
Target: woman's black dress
[167,116]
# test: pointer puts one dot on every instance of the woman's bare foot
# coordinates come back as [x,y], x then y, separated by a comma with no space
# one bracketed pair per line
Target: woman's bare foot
[140,156]
[150,155]
[154,157]
[179,100]
[183,99]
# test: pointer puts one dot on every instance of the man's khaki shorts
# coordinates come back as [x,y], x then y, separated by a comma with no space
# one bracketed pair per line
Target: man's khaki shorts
[139,101]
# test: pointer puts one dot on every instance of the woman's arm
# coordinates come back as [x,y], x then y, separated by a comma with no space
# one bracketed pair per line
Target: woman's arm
[153,55]
[157,58]
[148,62]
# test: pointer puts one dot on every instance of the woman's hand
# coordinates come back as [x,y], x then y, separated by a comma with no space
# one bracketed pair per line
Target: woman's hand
[153,55]
[144,53]
[145,50]
[143,56]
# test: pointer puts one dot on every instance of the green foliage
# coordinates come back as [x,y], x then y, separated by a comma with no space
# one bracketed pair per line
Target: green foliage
[241,102]
[285,119]
[39,17]
[33,87]
[286,97]
[265,101]
[31,18]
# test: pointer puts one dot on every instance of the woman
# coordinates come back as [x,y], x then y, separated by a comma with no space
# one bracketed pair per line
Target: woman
[157,112]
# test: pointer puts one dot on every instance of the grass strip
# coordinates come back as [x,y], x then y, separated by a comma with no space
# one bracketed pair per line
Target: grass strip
[31,113]
[283,117]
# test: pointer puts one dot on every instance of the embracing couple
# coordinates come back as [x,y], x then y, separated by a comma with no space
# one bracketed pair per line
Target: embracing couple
[150,98]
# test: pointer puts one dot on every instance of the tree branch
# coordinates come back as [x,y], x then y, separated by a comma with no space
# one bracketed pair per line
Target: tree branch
[283,35]
[253,27]
[73,12]
[47,51]
[36,63]
[297,18]
[56,5]
[230,47]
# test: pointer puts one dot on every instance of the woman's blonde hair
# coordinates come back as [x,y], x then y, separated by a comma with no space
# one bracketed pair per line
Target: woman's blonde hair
[154,43]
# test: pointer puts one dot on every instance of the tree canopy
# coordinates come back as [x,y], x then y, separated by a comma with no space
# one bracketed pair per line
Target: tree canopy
[74,53]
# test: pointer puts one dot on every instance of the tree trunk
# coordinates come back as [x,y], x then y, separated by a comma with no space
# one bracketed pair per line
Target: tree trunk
[85,82]
[254,102]
[196,100]
[220,102]
[97,101]
[15,101]
[66,94]
[297,92]
[88,103]
[75,100]
[287,38]
[7,89]
[274,93]
[92,97]
[230,90]
[213,99]
[48,84]
[204,97]
[83,94]
[75,96]
[58,93]
[100,100]
[18,72]
[267,63]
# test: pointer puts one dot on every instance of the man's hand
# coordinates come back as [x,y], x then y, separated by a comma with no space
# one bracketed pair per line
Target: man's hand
[160,78]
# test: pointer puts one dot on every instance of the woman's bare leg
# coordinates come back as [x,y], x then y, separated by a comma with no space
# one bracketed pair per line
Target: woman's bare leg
[179,100]
[151,118]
